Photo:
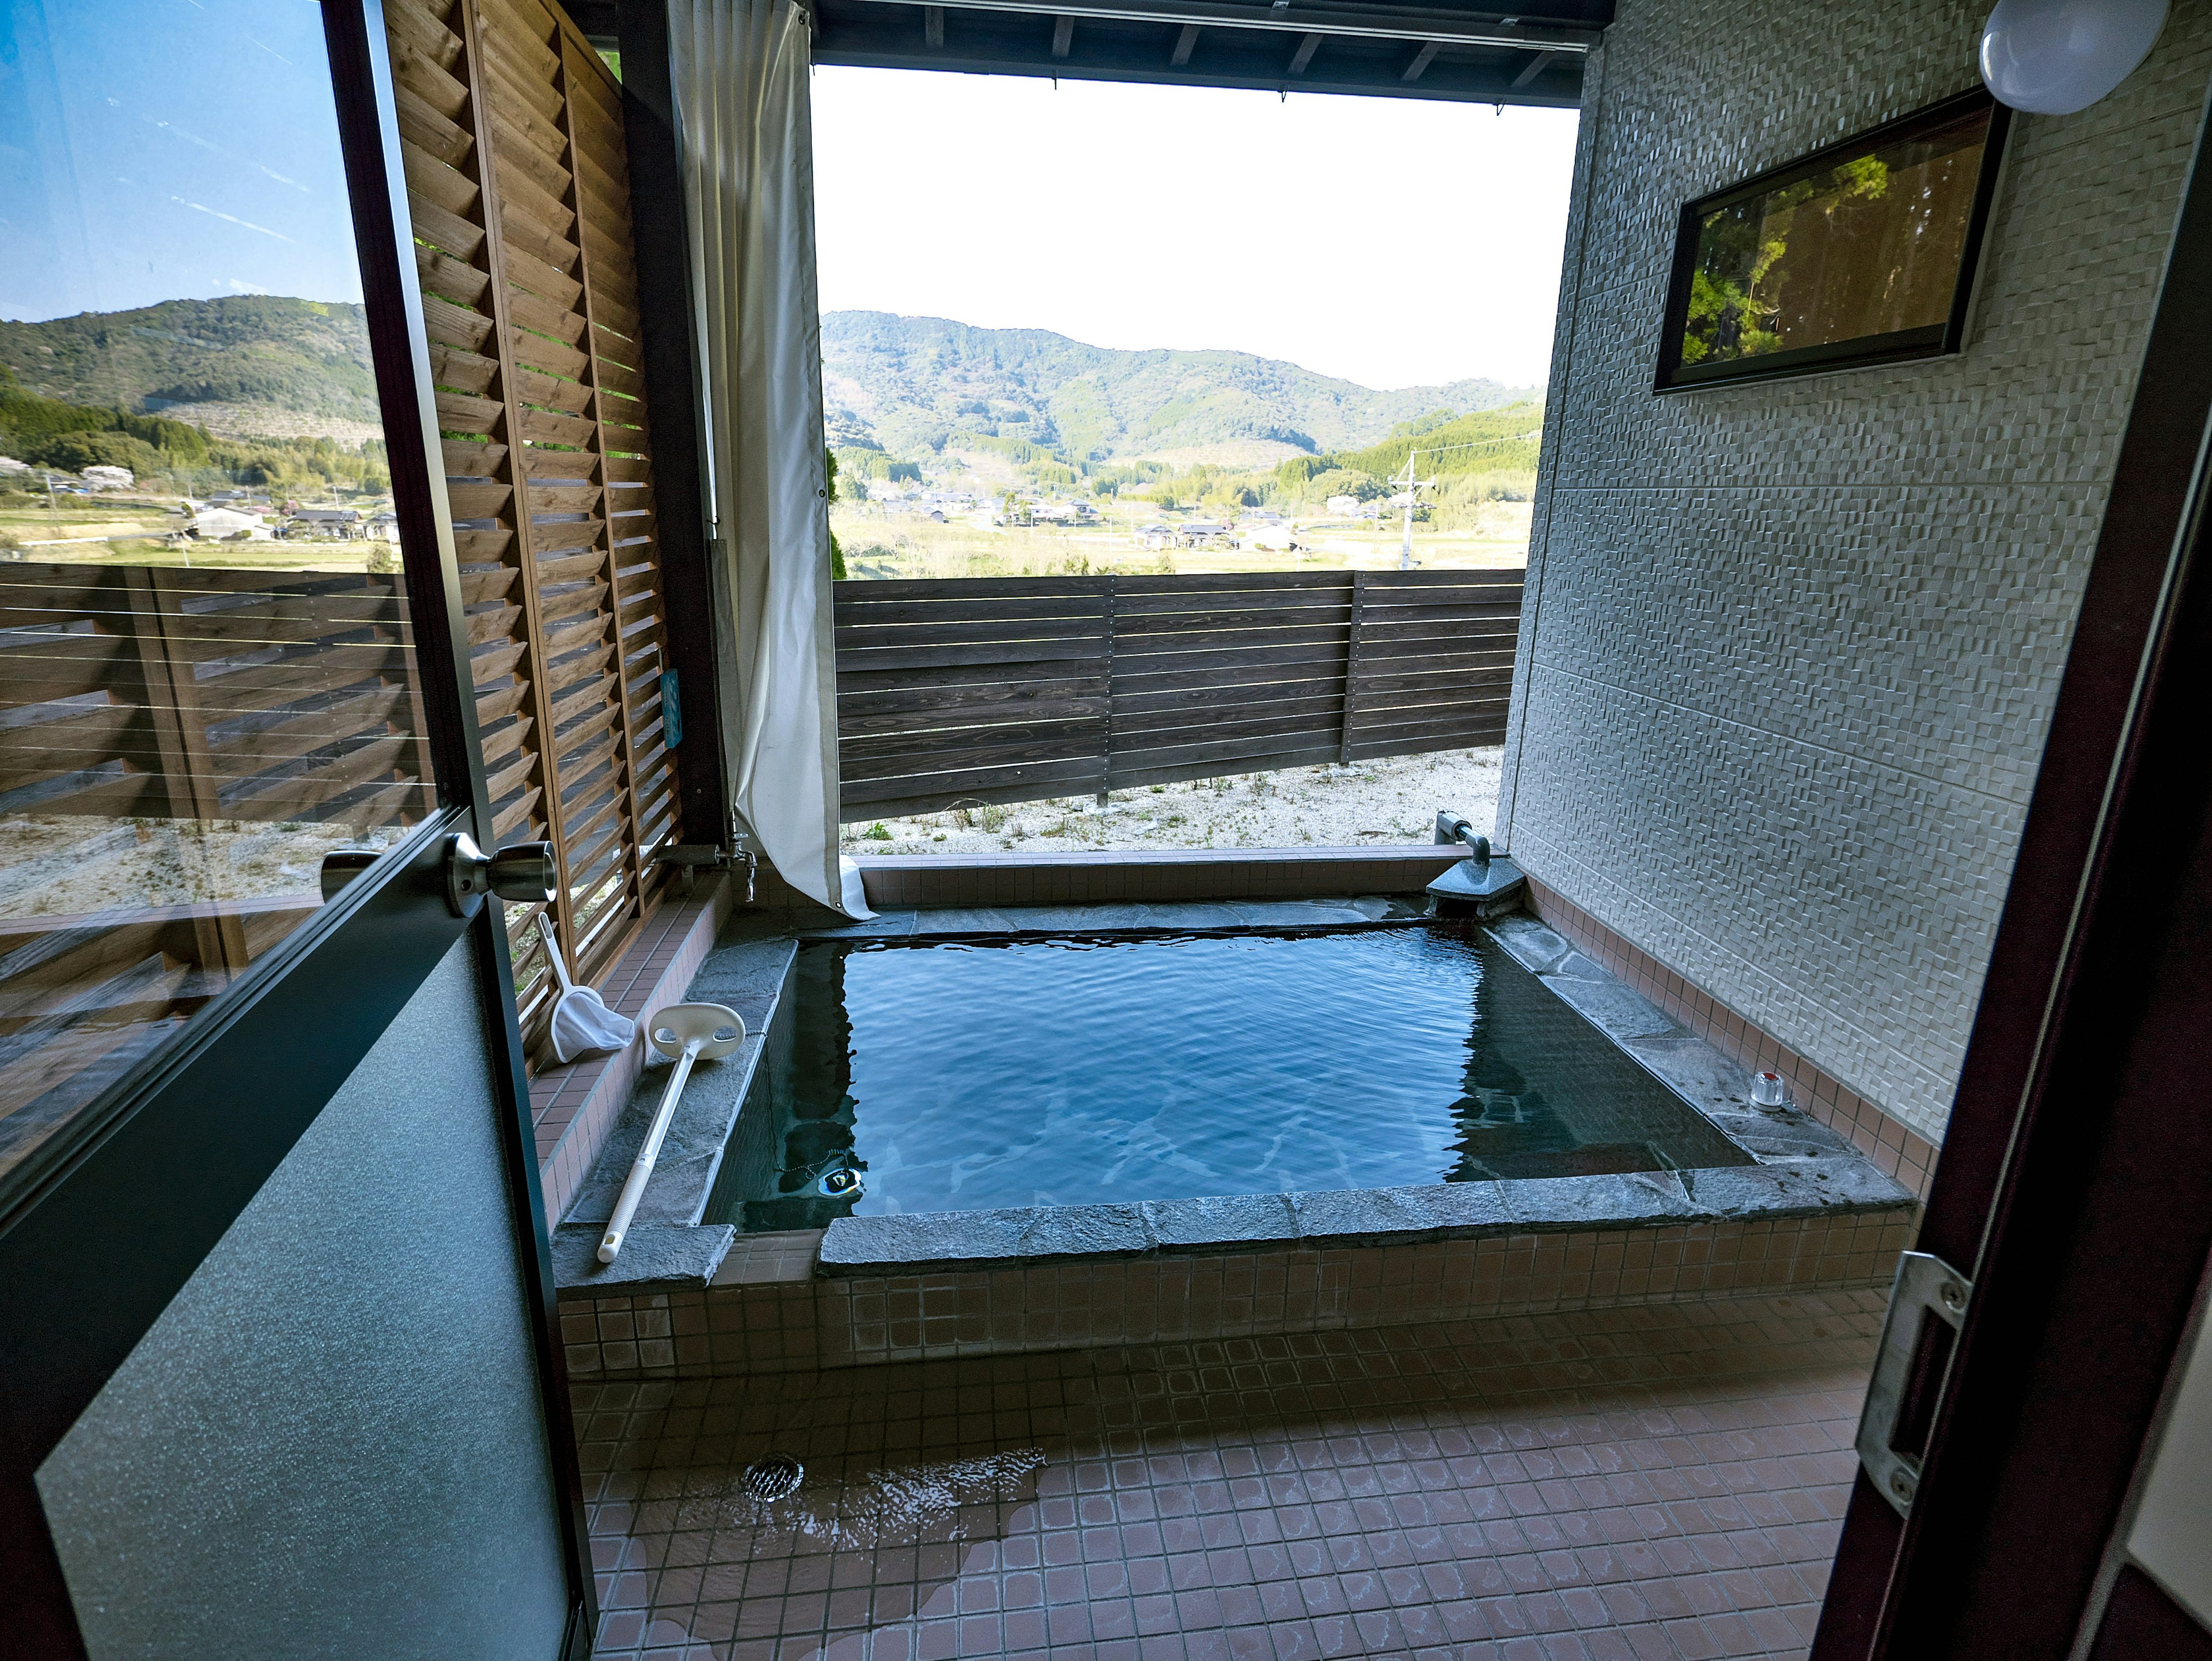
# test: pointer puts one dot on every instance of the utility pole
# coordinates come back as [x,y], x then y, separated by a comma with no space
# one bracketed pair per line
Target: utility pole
[1413,488]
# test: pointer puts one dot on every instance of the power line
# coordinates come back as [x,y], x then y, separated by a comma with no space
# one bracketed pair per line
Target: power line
[1471,443]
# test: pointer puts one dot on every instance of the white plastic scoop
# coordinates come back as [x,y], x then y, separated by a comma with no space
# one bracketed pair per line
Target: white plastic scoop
[582,1021]
[696,1029]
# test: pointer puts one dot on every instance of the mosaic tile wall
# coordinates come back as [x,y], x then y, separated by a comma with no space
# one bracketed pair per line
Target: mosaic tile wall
[1791,649]
[783,1318]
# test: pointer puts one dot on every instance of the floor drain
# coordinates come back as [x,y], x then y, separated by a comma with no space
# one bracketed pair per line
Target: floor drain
[776,1477]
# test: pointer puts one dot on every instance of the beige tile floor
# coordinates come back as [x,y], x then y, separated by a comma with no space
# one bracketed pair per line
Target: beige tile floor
[1653,1481]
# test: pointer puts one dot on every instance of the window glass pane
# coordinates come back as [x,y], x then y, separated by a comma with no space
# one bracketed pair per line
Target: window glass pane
[1871,246]
[207,677]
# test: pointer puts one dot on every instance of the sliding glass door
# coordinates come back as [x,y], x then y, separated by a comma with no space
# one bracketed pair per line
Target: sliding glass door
[274,1294]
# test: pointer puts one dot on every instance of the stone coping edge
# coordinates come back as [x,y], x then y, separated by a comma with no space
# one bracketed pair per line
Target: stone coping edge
[1417,853]
[673,1258]
[935,1242]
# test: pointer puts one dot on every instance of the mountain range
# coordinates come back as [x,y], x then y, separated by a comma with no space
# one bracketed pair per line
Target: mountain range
[907,384]
[308,357]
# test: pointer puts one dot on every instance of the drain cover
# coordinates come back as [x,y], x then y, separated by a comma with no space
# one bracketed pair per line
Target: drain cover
[776,1477]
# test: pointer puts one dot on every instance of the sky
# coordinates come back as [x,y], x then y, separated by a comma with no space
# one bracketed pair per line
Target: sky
[155,150]
[1394,242]
[163,149]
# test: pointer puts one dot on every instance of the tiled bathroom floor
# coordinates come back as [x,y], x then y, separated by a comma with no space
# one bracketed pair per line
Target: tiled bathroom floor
[1657,1480]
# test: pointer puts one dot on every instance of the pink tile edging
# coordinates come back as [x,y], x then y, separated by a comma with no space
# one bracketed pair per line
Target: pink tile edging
[1895,1150]
[574,1106]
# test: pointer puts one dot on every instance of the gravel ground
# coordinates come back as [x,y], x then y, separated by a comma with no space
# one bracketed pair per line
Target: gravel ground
[63,865]
[1370,803]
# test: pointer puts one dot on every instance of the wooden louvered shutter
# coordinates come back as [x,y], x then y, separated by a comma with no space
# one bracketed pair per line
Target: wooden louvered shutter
[519,184]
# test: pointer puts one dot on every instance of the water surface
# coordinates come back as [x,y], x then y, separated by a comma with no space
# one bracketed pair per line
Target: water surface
[962,1076]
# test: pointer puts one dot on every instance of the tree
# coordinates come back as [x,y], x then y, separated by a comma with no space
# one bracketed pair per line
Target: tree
[1345,482]
[830,494]
[75,452]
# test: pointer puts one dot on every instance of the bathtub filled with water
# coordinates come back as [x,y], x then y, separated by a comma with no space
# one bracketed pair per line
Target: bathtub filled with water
[972,1075]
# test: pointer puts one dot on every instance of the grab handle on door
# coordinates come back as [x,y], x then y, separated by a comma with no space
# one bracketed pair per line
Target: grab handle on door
[342,867]
[1925,1286]
[520,871]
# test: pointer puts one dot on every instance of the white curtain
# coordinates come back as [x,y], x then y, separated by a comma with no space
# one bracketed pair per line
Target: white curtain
[744,131]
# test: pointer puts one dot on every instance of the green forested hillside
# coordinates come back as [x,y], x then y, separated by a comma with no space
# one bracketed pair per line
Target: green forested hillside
[302,356]
[1491,442]
[917,384]
[173,455]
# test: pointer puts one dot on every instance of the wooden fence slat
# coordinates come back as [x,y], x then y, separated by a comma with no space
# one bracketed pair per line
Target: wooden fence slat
[1277,715]
[873,613]
[935,727]
[929,703]
[1325,681]
[1074,776]
[1049,745]
[1009,652]
[858,637]
[1126,587]
[1328,639]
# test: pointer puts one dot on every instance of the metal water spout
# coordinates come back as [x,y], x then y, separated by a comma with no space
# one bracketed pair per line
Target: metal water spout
[1457,828]
[1482,885]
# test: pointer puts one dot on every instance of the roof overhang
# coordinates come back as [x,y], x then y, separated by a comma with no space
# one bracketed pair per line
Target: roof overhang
[1531,55]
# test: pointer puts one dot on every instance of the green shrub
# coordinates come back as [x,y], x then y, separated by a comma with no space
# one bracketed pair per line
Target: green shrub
[75,452]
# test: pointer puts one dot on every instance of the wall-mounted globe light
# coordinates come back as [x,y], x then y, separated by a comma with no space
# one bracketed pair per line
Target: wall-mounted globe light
[2055,57]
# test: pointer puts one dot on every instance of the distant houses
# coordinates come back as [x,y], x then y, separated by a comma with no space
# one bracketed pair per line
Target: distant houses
[226,525]
[344,524]
[1273,534]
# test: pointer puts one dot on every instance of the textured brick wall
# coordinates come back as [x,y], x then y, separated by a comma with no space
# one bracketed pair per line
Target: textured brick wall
[1789,651]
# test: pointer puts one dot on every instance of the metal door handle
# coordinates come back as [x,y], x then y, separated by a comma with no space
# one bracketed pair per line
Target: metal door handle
[342,867]
[520,871]
[1925,1285]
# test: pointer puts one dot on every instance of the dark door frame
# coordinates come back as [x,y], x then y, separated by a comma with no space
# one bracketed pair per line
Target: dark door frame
[2075,1182]
[121,1208]
[661,247]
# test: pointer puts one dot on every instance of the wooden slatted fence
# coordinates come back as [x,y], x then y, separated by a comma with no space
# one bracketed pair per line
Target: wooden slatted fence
[518,185]
[207,694]
[969,691]
[144,713]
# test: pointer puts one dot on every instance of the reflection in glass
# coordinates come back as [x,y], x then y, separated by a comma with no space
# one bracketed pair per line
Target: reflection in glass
[206,672]
[1869,246]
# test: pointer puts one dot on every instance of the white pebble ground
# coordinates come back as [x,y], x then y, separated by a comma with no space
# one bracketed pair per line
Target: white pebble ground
[1370,804]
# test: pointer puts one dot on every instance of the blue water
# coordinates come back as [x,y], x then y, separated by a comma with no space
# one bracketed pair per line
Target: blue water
[962,1076]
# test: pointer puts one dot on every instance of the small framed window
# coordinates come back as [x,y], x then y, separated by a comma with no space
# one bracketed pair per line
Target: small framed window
[1863,253]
